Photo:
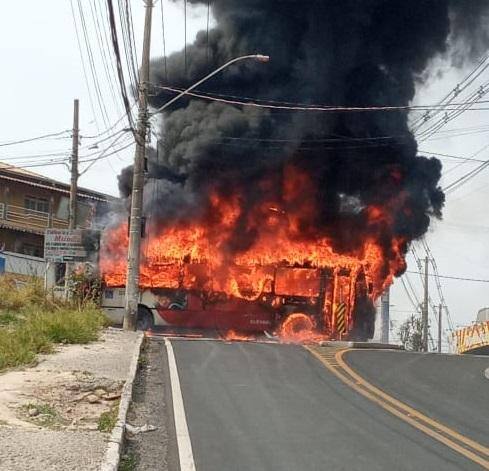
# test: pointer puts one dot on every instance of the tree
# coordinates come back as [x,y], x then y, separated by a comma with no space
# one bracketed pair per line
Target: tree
[411,334]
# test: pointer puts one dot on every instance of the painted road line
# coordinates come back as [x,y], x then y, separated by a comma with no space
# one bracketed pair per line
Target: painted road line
[428,429]
[184,444]
[413,412]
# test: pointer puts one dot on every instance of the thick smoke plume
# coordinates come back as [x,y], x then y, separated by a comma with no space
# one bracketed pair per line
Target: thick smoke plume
[351,53]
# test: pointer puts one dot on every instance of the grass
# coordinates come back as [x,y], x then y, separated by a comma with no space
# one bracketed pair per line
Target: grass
[47,415]
[107,420]
[128,462]
[31,321]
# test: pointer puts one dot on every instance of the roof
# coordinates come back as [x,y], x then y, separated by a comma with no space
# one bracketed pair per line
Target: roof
[21,175]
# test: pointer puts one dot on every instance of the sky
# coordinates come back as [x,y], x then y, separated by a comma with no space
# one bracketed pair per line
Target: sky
[43,73]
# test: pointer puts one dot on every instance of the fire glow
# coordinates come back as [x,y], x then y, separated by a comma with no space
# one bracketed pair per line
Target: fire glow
[284,258]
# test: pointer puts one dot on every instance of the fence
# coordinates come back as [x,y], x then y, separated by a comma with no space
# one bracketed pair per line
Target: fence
[29,218]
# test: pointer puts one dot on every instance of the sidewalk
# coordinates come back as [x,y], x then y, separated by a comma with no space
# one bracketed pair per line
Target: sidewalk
[50,413]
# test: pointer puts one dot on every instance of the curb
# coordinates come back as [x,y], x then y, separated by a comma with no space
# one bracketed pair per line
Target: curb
[114,446]
[363,345]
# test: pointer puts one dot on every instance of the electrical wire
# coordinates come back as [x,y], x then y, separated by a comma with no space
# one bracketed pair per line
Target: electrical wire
[85,75]
[91,63]
[477,280]
[104,49]
[185,33]
[305,107]
[37,138]
[208,44]
[120,72]
[164,40]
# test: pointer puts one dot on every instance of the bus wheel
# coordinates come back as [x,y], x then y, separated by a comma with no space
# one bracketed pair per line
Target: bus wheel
[145,319]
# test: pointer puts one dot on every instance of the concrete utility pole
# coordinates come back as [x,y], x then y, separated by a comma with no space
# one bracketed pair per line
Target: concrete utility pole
[439,328]
[425,307]
[384,316]
[133,255]
[74,166]
[74,183]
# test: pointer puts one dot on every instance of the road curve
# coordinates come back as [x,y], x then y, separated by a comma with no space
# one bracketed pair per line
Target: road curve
[450,388]
[253,407]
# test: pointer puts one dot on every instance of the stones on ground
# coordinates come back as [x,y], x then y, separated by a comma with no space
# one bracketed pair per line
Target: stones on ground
[111,396]
[93,399]
[33,412]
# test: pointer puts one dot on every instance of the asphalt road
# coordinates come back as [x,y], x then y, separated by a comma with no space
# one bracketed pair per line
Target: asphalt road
[450,388]
[253,407]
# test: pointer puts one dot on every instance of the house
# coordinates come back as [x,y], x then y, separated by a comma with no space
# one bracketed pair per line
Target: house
[31,203]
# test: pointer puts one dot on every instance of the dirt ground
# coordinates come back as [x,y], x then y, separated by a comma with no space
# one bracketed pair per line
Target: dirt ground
[61,399]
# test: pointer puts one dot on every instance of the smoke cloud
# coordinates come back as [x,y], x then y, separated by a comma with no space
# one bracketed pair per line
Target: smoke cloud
[346,53]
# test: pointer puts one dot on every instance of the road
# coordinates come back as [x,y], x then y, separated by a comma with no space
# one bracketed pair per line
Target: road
[252,406]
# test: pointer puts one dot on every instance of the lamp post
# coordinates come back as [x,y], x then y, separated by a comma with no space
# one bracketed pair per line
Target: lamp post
[257,57]
[133,256]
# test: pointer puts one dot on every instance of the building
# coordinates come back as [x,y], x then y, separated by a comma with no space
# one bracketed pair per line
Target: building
[30,204]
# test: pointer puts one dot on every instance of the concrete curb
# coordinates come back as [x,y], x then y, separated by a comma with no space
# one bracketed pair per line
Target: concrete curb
[364,345]
[114,446]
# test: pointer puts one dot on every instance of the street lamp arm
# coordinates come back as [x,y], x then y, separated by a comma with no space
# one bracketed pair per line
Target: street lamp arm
[258,57]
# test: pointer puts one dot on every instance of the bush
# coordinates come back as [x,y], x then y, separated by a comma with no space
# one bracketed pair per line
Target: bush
[31,321]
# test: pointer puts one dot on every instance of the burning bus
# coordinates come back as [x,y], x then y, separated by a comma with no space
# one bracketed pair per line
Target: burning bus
[283,282]
[283,196]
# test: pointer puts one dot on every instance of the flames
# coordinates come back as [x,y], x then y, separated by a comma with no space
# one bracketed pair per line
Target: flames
[251,250]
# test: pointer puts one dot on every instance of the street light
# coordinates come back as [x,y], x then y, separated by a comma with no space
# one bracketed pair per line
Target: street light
[257,57]
[133,257]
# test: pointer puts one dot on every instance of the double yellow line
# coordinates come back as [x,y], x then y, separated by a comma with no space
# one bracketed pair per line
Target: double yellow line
[332,358]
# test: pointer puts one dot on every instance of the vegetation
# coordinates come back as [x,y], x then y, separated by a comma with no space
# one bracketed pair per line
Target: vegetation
[32,320]
[108,419]
[128,462]
[411,334]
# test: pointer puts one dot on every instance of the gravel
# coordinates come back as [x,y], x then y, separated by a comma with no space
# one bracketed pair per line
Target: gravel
[23,448]
[108,358]
[154,450]
[48,450]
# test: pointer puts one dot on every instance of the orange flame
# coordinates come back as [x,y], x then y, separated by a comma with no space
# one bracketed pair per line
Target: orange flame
[261,251]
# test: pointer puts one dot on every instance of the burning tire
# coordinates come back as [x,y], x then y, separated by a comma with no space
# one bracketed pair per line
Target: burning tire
[297,327]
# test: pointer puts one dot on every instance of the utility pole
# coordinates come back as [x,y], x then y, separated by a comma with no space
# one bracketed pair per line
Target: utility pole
[74,184]
[133,254]
[439,328]
[74,166]
[384,316]
[425,307]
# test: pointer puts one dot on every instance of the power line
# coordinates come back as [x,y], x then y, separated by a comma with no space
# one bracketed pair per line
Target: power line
[101,33]
[185,33]
[479,280]
[164,41]
[85,75]
[208,21]
[91,62]
[450,156]
[120,72]
[306,107]
[37,138]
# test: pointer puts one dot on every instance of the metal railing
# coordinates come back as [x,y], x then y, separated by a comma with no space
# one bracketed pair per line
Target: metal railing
[29,218]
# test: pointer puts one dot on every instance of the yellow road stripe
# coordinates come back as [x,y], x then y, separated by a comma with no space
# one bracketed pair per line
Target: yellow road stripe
[382,401]
[462,438]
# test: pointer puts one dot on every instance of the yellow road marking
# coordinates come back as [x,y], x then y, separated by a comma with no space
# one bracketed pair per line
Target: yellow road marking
[462,438]
[406,413]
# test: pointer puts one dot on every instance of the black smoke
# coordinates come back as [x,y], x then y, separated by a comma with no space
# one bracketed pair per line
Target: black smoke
[349,53]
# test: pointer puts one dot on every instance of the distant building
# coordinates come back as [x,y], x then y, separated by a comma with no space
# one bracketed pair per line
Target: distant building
[30,204]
